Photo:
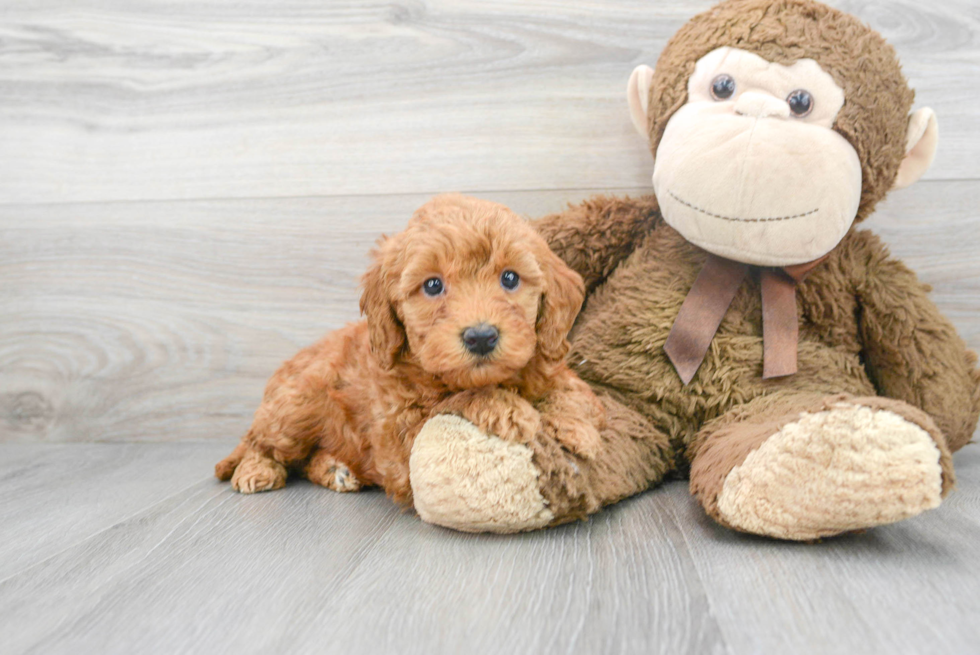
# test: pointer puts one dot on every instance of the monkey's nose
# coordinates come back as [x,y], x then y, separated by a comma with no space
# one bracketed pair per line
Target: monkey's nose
[480,339]
[761,105]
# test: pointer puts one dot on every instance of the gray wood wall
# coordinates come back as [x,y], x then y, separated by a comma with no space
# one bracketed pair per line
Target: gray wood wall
[188,190]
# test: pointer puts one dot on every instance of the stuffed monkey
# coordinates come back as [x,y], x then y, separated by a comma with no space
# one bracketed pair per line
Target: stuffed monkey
[738,328]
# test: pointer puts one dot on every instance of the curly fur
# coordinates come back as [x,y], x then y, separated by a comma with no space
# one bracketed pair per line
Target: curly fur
[344,412]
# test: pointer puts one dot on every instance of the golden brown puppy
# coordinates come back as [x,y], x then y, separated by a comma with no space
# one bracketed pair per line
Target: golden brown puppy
[467,313]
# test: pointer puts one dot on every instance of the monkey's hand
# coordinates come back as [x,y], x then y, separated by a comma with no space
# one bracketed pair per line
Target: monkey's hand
[911,351]
[595,236]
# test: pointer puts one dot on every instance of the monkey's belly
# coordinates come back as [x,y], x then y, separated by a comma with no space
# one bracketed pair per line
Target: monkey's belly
[618,343]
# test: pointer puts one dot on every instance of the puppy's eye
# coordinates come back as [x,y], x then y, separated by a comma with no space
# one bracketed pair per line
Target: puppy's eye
[722,87]
[509,280]
[433,287]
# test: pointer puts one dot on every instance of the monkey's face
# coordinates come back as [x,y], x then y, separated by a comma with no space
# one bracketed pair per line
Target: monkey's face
[749,168]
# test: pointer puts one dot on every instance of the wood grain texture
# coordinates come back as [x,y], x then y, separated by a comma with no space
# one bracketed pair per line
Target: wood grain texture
[205,570]
[162,321]
[175,100]
[911,587]
[188,192]
[208,570]
[58,495]
[622,583]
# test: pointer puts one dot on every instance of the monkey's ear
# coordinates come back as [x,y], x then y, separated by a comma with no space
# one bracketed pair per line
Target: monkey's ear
[638,95]
[920,147]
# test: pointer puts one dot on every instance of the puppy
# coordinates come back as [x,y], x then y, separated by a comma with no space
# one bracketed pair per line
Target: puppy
[467,313]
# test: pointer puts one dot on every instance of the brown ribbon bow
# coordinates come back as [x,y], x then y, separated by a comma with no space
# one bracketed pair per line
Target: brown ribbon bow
[708,301]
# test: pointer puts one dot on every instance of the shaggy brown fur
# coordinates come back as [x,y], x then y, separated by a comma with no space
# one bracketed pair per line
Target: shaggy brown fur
[345,411]
[866,325]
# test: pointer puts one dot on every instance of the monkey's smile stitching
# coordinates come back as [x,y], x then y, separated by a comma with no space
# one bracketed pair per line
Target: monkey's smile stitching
[741,220]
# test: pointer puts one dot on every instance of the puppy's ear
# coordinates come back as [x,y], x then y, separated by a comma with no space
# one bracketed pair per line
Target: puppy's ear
[560,304]
[385,331]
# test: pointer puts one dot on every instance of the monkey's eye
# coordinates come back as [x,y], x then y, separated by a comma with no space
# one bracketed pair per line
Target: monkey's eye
[800,102]
[722,87]
[509,280]
[432,287]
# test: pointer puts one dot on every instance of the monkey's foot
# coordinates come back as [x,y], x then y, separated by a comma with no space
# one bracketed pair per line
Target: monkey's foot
[855,464]
[465,479]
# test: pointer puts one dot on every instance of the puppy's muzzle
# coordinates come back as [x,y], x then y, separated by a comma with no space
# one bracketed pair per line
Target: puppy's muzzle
[481,339]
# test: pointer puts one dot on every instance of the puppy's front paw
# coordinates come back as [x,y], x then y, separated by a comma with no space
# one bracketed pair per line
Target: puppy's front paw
[496,412]
[257,473]
[468,480]
[580,437]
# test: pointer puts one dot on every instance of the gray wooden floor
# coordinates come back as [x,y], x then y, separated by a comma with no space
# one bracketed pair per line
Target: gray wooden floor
[188,191]
[132,548]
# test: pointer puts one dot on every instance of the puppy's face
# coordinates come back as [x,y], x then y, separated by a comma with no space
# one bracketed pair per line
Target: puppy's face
[474,292]
[470,307]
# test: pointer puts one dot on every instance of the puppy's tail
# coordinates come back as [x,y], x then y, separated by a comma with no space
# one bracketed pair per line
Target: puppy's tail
[224,469]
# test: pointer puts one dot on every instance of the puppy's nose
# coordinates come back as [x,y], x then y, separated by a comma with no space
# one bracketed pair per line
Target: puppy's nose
[480,339]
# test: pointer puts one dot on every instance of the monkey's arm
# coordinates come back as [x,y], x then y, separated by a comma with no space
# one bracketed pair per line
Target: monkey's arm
[912,352]
[594,236]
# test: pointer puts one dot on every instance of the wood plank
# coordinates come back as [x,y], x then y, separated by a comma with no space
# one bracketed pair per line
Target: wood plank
[207,570]
[911,587]
[57,495]
[621,583]
[210,571]
[306,569]
[162,321]
[181,100]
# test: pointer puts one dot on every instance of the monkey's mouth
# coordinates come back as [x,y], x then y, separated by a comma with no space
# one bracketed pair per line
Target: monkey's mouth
[737,219]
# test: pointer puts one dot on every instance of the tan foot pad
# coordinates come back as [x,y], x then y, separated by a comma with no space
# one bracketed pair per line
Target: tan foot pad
[470,481]
[843,469]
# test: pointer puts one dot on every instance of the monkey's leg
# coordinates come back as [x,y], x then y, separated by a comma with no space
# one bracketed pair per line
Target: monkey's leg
[632,457]
[803,467]
[466,479]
